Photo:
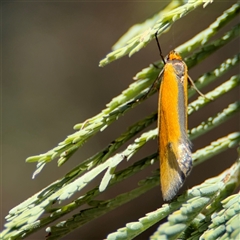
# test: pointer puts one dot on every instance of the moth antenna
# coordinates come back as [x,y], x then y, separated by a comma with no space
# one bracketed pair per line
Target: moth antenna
[159,48]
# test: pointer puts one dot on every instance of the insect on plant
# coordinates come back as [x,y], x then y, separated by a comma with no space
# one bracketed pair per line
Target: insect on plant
[174,145]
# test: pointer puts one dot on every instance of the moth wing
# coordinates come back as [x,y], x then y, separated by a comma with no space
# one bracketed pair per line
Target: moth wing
[175,166]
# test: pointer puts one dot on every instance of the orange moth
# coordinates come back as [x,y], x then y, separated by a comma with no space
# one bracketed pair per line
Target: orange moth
[174,145]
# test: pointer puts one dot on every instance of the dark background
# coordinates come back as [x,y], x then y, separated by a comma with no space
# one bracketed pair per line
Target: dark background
[51,81]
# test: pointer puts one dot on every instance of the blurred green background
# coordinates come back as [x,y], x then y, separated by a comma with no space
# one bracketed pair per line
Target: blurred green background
[51,81]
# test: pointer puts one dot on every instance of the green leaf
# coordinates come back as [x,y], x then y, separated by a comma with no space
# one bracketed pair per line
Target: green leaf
[207,211]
